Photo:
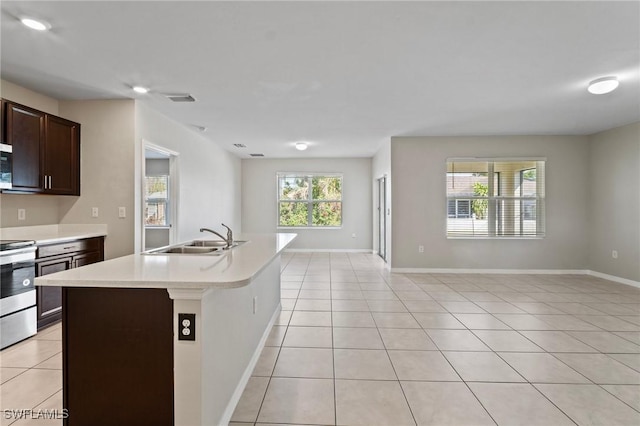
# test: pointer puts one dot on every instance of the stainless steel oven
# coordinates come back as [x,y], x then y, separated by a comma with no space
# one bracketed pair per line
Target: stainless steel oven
[17,291]
[6,156]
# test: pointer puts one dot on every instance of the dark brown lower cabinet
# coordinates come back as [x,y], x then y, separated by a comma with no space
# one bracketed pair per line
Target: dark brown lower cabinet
[117,356]
[58,257]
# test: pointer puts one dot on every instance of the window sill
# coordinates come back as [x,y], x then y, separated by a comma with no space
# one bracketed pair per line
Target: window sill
[156,227]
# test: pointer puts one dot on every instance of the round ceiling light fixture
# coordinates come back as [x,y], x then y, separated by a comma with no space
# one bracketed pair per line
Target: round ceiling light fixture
[35,24]
[603,85]
[140,89]
[301,146]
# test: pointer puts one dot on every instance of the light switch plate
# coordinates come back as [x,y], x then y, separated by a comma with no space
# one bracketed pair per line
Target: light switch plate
[122,212]
[94,212]
[22,214]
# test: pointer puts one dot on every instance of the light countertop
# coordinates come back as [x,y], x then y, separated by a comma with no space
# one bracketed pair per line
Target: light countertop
[234,268]
[48,234]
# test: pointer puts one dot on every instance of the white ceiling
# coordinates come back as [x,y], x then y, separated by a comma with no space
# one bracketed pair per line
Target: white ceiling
[344,75]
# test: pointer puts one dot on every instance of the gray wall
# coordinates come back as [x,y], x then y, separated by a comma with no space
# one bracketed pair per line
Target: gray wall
[209,176]
[614,202]
[419,204]
[259,195]
[156,237]
[106,170]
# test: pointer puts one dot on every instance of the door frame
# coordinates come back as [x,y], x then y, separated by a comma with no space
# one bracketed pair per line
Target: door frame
[382,216]
[174,187]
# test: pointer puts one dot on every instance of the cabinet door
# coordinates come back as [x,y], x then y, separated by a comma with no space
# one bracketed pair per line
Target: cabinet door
[62,156]
[25,131]
[86,259]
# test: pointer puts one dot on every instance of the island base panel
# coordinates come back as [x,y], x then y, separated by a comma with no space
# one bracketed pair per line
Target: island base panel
[117,356]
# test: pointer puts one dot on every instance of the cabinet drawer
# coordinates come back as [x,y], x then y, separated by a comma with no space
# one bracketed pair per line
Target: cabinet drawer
[91,244]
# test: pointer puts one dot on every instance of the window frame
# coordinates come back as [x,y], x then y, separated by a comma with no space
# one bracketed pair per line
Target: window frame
[167,202]
[539,198]
[309,202]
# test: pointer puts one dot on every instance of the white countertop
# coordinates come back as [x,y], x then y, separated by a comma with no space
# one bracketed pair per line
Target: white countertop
[47,234]
[234,268]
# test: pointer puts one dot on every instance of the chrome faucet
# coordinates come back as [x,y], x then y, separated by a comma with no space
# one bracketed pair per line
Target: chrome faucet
[229,235]
[228,240]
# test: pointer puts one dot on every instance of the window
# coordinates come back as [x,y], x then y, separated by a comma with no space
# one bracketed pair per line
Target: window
[156,206]
[495,198]
[309,200]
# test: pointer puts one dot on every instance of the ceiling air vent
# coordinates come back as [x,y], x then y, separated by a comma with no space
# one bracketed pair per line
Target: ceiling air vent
[239,145]
[180,97]
[257,155]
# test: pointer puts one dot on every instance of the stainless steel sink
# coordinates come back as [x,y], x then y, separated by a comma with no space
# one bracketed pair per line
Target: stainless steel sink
[197,247]
[191,250]
[184,249]
[213,243]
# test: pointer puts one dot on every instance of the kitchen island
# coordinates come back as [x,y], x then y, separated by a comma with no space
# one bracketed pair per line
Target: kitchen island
[124,360]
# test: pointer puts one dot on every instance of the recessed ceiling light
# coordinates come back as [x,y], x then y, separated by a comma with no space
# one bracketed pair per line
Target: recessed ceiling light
[301,146]
[35,24]
[140,89]
[603,85]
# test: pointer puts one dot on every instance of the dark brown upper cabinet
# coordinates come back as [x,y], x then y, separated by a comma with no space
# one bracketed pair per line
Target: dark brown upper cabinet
[25,132]
[62,156]
[46,151]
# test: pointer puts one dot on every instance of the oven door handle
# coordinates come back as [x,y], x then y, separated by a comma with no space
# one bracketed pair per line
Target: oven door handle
[7,259]
[26,264]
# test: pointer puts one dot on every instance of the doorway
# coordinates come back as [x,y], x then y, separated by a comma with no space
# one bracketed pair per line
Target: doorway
[382,218]
[159,197]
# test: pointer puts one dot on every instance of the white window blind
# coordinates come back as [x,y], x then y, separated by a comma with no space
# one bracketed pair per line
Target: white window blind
[489,198]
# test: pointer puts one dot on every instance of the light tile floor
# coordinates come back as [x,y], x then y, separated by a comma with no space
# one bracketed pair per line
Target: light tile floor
[31,378]
[357,345]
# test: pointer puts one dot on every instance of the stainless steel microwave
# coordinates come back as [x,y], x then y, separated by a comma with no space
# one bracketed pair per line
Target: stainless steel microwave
[6,154]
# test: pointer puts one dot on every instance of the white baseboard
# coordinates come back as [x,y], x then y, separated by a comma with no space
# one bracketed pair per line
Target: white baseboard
[614,278]
[517,272]
[289,250]
[488,271]
[228,412]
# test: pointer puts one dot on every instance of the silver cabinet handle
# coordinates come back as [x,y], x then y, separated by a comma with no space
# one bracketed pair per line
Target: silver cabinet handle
[49,181]
[45,181]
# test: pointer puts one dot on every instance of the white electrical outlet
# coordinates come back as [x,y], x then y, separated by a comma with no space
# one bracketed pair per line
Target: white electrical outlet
[420,249]
[94,212]
[614,254]
[22,214]
[122,212]
[353,235]
[255,304]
